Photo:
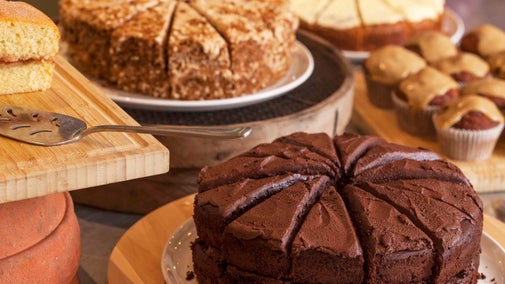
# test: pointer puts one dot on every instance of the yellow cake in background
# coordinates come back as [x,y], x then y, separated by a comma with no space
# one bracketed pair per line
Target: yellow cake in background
[365,25]
[28,44]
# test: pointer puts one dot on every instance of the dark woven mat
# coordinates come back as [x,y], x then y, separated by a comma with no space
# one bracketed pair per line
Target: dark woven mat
[327,77]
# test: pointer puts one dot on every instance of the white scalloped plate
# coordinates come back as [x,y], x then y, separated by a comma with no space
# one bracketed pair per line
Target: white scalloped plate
[177,261]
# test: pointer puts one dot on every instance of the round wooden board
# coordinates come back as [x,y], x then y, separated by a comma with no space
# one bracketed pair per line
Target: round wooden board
[136,258]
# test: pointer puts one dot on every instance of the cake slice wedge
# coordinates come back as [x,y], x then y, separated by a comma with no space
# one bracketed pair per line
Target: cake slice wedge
[327,244]
[247,28]
[26,33]
[88,29]
[390,240]
[135,67]
[28,44]
[198,58]
[340,23]
[455,233]
[259,241]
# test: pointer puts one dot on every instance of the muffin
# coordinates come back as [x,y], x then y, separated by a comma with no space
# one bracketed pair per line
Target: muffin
[464,67]
[469,128]
[485,40]
[432,45]
[385,68]
[419,96]
[491,88]
[497,64]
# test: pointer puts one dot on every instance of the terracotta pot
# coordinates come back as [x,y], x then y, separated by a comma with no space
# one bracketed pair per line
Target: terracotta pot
[40,240]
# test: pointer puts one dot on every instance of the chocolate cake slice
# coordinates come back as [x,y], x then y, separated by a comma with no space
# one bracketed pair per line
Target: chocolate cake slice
[290,151]
[388,152]
[319,143]
[327,244]
[138,69]
[454,233]
[199,61]
[396,250]
[266,232]
[412,169]
[453,194]
[351,147]
[242,167]
[210,266]
[221,205]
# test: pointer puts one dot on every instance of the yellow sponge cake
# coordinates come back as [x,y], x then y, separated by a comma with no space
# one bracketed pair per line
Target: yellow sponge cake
[28,43]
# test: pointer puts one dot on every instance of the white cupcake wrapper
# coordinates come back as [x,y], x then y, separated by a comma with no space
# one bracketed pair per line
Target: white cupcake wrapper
[468,145]
[417,123]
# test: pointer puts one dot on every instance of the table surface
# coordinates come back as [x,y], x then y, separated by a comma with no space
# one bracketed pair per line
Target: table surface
[101,230]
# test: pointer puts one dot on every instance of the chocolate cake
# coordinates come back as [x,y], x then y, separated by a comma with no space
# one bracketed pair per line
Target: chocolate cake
[307,208]
[185,50]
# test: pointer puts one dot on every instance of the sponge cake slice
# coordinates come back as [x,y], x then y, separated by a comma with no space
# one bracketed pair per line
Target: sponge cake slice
[28,43]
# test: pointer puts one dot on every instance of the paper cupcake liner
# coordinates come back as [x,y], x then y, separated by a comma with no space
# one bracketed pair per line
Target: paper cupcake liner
[379,94]
[468,145]
[417,123]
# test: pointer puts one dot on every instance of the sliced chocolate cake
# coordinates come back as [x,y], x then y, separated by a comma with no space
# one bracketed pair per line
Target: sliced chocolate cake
[354,209]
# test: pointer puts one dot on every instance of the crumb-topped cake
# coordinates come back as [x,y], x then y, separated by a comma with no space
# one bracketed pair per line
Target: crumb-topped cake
[307,208]
[369,24]
[187,50]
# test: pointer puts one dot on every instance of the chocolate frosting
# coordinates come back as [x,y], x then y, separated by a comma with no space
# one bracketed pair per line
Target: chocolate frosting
[267,230]
[385,231]
[448,227]
[353,209]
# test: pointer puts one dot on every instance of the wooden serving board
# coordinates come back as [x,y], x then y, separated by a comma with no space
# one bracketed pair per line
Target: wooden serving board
[136,258]
[28,171]
[486,176]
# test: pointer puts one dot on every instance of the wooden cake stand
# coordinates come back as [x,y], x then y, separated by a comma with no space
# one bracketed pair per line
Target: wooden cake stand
[136,258]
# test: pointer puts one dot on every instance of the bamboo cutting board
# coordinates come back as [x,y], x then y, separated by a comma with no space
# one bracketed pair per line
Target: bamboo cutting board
[28,171]
[486,176]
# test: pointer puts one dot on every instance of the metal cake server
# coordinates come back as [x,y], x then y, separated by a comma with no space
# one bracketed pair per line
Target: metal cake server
[51,129]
